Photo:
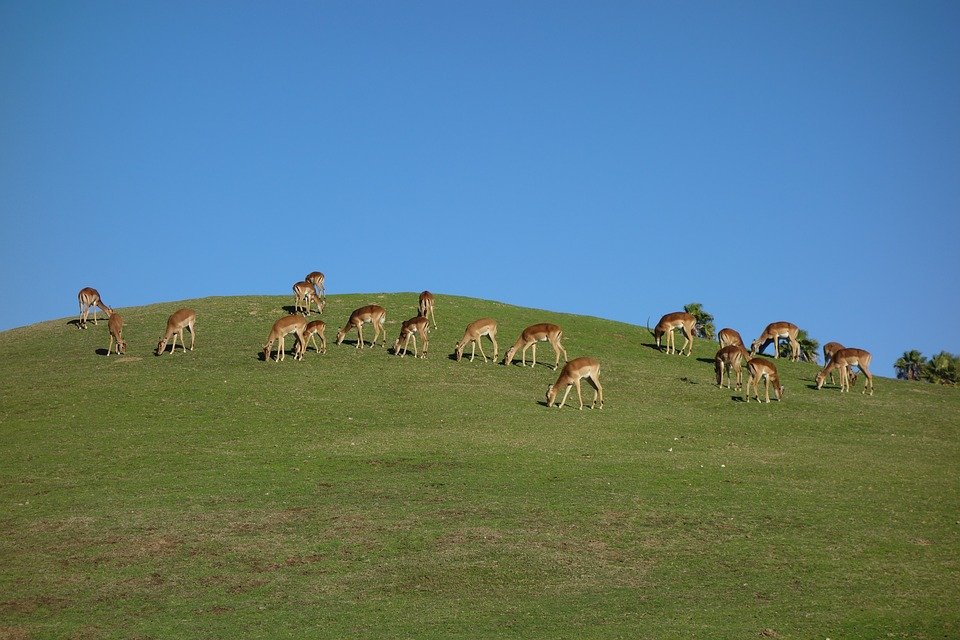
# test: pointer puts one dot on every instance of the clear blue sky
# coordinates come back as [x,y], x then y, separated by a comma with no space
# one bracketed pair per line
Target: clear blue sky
[772,160]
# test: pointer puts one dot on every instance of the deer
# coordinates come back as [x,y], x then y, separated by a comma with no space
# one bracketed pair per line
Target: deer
[731,357]
[115,326]
[281,328]
[176,323]
[574,371]
[760,368]
[425,307]
[529,337]
[375,315]
[408,330]
[474,331]
[89,298]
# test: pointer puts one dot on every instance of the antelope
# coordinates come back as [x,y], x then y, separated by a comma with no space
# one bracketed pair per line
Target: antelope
[731,356]
[760,368]
[677,320]
[371,313]
[573,372]
[304,294]
[310,333]
[408,330]
[90,298]
[288,324]
[176,323]
[729,336]
[316,279]
[474,331]
[115,325]
[828,350]
[773,333]
[425,307]
[530,336]
[845,359]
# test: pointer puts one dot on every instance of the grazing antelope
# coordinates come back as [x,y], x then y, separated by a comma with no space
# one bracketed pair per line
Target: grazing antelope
[474,331]
[304,294]
[176,323]
[425,307]
[530,336]
[572,373]
[773,333]
[729,336]
[731,357]
[828,350]
[678,320]
[115,325]
[310,333]
[408,330]
[760,368]
[281,328]
[845,359]
[90,298]
[316,279]
[371,313]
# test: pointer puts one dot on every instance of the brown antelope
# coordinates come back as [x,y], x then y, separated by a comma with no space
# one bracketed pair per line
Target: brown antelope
[304,294]
[678,320]
[425,307]
[474,331]
[371,313]
[310,333]
[543,332]
[729,337]
[408,330]
[760,368]
[176,323]
[828,350]
[281,328]
[316,279]
[845,359]
[115,325]
[89,298]
[773,333]
[574,371]
[731,357]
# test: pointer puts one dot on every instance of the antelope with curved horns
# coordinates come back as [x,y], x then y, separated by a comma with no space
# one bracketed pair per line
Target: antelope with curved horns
[529,337]
[176,323]
[845,359]
[728,336]
[731,357]
[760,368]
[281,328]
[409,329]
[682,320]
[115,326]
[474,331]
[317,280]
[304,293]
[425,307]
[772,333]
[90,298]
[375,315]
[574,371]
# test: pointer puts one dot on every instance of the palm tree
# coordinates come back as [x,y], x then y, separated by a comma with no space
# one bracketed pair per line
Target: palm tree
[942,368]
[910,365]
[704,328]
[808,347]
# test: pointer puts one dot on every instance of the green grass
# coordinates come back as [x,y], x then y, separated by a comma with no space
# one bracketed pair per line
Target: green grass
[356,494]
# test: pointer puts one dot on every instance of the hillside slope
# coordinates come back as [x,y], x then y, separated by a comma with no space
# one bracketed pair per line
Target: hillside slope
[212,494]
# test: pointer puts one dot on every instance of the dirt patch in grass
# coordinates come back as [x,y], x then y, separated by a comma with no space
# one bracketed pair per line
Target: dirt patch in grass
[14,633]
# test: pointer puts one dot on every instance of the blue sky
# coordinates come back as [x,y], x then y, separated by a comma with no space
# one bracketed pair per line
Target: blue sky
[772,160]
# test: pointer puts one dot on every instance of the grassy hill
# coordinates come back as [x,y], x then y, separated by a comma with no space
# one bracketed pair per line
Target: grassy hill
[357,494]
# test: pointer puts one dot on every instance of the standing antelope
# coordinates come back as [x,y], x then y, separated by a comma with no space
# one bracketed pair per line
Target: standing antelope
[371,313]
[310,333]
[476,330]
[760,368]
[530,336]
[316,279]
[176,323]
[304,293]
[425,307]
[572,373]
[731,357]
[90,298]
[773,333]
[408,330]
[115,326]
[281,328]
[682,320]
[729,336]
[845,359]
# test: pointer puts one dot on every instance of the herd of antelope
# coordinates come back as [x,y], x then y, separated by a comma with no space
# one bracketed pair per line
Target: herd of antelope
[309,292]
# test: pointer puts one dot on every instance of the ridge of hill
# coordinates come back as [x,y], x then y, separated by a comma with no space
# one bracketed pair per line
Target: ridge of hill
[358,493]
